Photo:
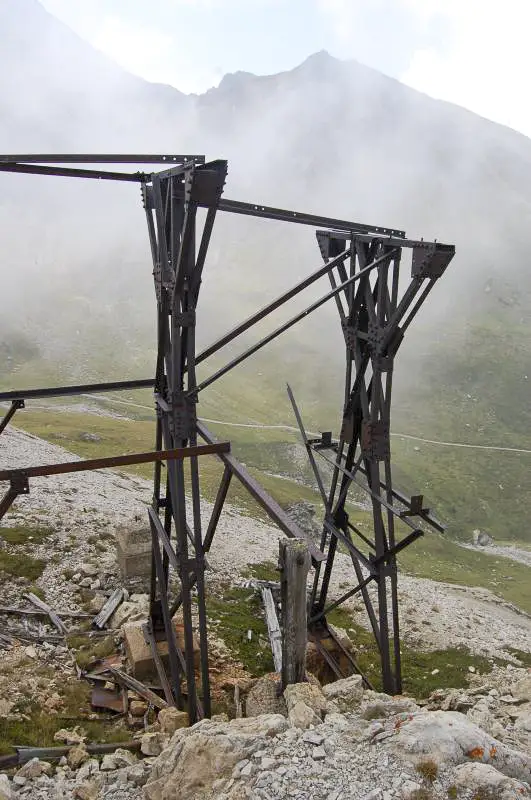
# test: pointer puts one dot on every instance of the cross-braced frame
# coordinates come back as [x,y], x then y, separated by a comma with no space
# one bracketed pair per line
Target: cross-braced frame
[362,263]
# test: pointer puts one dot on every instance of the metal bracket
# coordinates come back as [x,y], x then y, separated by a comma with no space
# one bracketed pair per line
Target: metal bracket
[429,261]
[375,442]
[183,419]
[350,332]
[375,338]
[185,318]
[415,507]
[147,197]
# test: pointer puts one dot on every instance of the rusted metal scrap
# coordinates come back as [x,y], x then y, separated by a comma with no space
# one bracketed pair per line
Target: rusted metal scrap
[25,754]
[111,699]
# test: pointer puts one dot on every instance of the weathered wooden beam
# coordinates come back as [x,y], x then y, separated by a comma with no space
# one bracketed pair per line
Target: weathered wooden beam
[139,688]
[294,562]
[273,627]
[34,612]
[59,624]
[108,609]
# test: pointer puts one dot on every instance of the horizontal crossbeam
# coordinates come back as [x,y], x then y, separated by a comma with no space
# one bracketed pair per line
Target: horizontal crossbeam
[98,158]
[219,448]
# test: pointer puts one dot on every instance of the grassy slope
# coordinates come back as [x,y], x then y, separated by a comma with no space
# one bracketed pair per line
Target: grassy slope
[433,557]
[466,382]
[475,390]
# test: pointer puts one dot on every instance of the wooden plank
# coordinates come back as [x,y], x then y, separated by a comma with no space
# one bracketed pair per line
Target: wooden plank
[35,612]
[294,565]
[273,627]
[59,624]
[139,688]
[108,609]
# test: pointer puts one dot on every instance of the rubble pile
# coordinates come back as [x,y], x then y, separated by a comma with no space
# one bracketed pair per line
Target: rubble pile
[338,742]
[333,742]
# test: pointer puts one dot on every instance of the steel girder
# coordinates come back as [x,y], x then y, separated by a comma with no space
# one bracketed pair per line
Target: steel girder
[362,263]
[374,316]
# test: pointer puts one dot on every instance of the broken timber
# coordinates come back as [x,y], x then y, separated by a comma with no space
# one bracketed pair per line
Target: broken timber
[40,604]
[110,606]
[275,635]
[294,560]
[139,688]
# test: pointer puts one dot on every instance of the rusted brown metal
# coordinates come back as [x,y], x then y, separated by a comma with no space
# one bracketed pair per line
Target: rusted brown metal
[138,687]
[111,699]
[177,453]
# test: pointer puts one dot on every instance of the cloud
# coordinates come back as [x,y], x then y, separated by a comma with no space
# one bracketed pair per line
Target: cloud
[485,61]
[152,54]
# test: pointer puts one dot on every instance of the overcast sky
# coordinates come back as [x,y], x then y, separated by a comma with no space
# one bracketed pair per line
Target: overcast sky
[472,52]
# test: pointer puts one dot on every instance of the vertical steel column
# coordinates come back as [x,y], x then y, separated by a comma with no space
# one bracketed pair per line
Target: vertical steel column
[373,319]
[171,203]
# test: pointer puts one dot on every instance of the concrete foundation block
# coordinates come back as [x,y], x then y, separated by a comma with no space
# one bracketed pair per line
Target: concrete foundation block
[138,651]
[133,551]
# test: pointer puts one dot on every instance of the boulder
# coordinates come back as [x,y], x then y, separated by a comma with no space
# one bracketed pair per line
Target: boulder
[70,735]
[152,744]
[521,690]
[523,722]
[6,792]
[34,768]
[265,725]
[138,774]
[136,608]
[448,737]
[483,717]
[449,700]
[302,716]
[88,769]
[480,538]
[77,756]
[263,698]
[377,705]
[306,705]
[345,693]
[486,781]
[118,760]
[171,719]
[307,693]
[196,757]
[88,570]
[87,790]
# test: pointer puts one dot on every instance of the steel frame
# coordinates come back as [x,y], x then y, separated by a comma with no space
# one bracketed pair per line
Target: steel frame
[362,263]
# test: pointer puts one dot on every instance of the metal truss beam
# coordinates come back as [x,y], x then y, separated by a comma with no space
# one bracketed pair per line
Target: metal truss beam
[374,315]
[363,265]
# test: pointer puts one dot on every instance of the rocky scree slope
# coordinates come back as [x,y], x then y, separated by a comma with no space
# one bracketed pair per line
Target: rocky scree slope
[338,742]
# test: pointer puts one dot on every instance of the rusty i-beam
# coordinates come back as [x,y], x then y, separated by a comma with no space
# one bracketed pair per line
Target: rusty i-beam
[363,265]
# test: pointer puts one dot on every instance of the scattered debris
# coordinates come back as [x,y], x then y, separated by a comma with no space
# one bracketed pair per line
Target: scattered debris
[108,609]
[61,627]
[131,683]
